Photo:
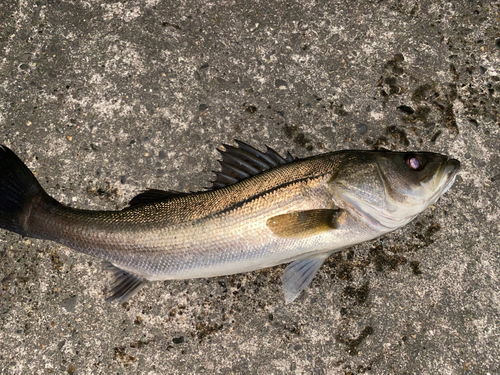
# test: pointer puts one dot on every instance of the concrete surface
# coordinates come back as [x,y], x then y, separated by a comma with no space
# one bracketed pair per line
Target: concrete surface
[103,99]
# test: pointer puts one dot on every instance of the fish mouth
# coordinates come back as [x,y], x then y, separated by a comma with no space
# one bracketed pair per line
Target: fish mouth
[448,172]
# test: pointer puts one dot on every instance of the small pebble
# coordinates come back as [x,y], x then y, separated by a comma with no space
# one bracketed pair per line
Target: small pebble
[280,84]
[178,340]
[362,128]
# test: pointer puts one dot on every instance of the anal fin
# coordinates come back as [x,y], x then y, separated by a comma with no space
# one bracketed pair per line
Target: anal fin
[124,284]
[299,274]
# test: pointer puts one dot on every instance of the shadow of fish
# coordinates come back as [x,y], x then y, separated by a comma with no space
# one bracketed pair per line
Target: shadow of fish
[262,210]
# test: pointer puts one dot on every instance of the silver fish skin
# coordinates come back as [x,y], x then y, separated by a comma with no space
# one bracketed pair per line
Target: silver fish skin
[263,210]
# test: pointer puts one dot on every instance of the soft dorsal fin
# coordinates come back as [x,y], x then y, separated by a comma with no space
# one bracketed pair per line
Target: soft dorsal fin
[154,195]
[239,163]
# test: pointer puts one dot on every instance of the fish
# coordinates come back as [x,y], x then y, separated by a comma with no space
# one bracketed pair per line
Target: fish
[261,211]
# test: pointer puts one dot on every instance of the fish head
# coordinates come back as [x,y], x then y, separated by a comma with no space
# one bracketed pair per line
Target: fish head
[388,189]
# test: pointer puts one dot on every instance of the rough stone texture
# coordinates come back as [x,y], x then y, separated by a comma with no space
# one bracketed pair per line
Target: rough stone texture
[103,99]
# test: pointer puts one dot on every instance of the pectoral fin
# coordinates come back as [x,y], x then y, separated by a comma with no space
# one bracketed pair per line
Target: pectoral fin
[299,274]
[304,223]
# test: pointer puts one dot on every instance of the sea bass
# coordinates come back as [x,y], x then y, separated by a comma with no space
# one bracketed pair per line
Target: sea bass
[261,211]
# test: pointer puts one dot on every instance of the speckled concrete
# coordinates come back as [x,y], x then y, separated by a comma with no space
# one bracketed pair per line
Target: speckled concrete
[103,100]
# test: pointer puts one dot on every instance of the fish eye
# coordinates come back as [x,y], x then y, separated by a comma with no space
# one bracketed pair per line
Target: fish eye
[414,162]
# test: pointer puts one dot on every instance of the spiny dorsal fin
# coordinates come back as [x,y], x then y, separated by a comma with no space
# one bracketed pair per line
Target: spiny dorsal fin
[304,223]
[154,195]
[239,163]
[123,285]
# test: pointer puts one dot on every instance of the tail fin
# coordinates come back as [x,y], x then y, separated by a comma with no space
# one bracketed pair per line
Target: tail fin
[19,190]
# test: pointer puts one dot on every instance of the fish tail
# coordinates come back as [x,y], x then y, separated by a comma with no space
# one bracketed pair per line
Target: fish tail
[20,193]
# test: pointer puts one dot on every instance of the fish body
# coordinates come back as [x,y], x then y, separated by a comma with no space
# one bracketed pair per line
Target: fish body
[263,210]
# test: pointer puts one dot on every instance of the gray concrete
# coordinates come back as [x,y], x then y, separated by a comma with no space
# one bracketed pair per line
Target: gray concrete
[105,99]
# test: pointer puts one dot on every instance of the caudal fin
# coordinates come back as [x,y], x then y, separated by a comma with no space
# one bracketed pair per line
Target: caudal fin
[19,190]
